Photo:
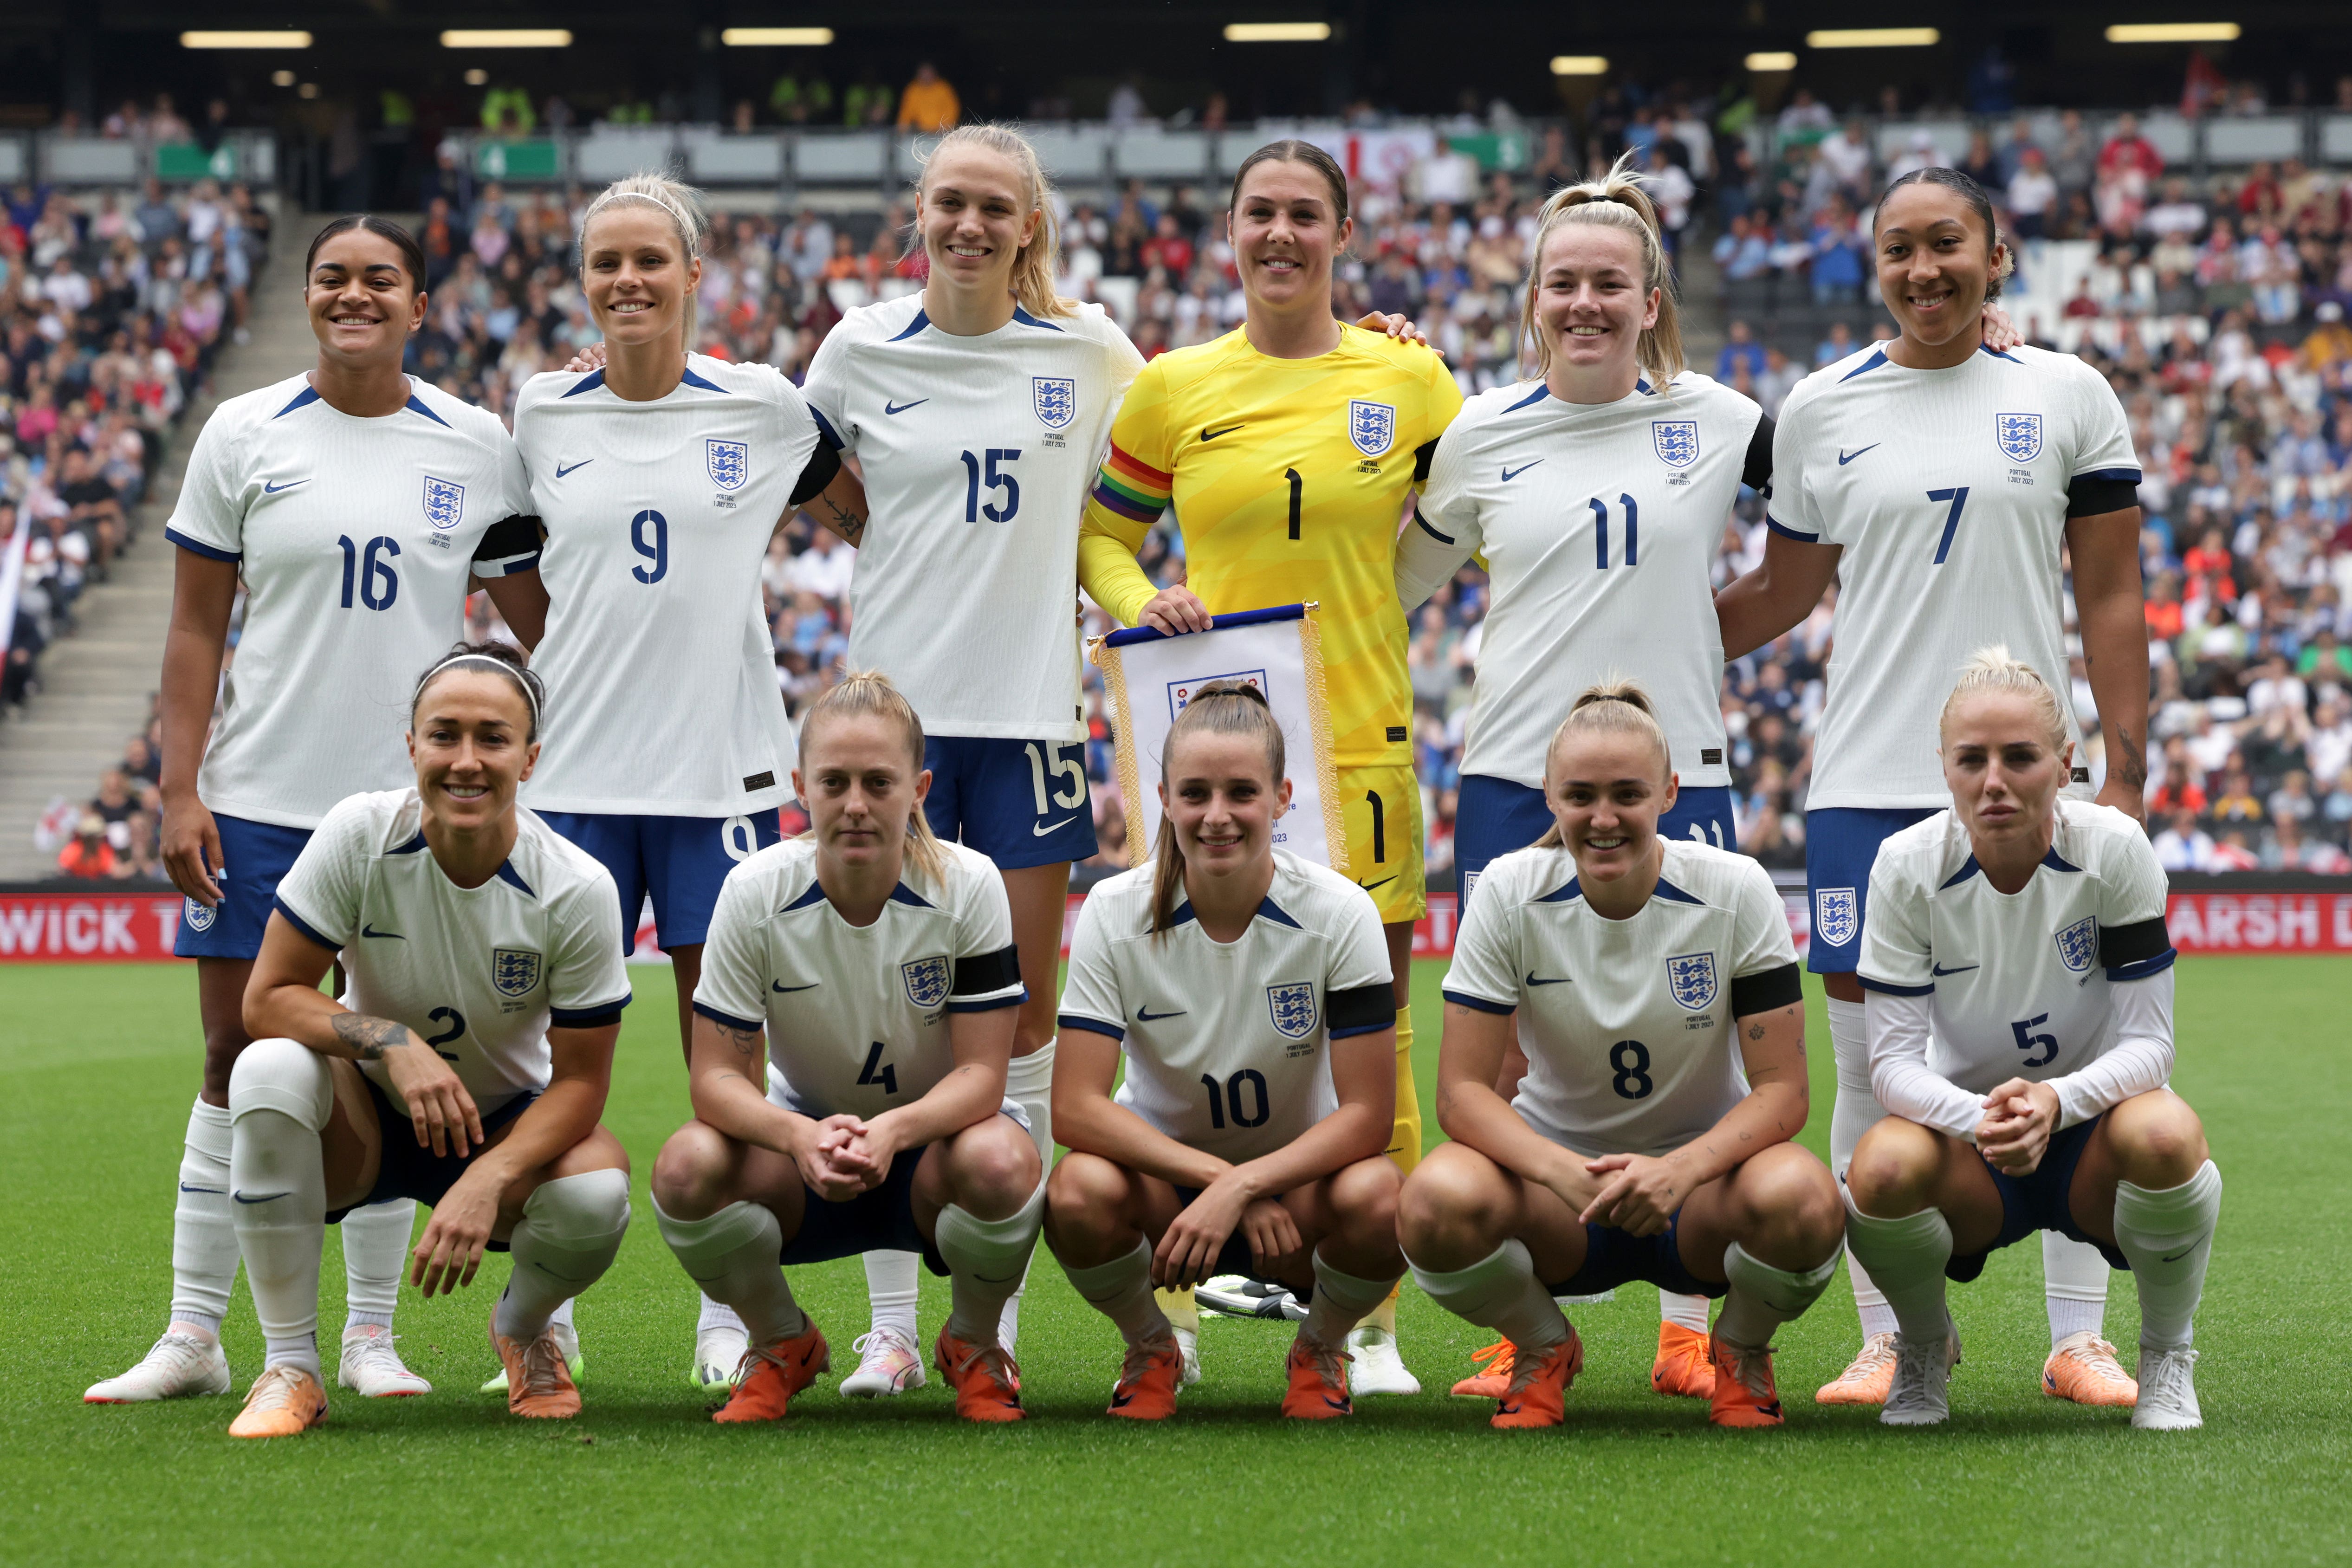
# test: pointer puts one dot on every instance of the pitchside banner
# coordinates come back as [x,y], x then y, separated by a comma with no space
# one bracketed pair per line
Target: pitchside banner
[1151,675]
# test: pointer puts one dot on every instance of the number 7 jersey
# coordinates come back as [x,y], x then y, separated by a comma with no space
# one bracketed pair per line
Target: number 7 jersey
[1948,491]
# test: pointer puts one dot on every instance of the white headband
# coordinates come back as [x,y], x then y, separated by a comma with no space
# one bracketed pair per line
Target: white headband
[501,666]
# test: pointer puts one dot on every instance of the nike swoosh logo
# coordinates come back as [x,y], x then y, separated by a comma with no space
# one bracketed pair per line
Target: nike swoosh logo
[1563,979]
[890,408]
[1510,474]
[2181,1254]
[1507,1410]
[784,990]
[264,1198]
[1384,882]
[561,470]
[1341,1405]
[1209,434]
[215,1191]
[1120,1401]
[370,931]
[274,489]
[1041,832]
[1845,457]
[1939,971]
[1145,1015]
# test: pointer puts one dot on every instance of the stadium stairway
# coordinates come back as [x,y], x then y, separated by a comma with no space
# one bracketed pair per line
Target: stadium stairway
[96,685]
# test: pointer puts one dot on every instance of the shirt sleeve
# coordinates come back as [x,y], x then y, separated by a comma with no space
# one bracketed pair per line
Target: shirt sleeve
[2139,1061]
[1358,995]
[1895,957]
[511,543]
[1445,530]
[591,983]
[319,894]
[987,963]
[2102,443]
[734,989]
[1441,406]
[1485,973]
[2132,893]
[1764,973]
[1793,511]
[826,390]
[1899,1024]
[208,520]
[1133,487]
[1090,998]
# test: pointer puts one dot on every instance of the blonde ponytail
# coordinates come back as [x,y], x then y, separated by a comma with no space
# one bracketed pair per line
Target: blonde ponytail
[1218,707]
[1039,262]
[868,693]
[1614,200]
[1989,672]
[1615,707]
[679,202]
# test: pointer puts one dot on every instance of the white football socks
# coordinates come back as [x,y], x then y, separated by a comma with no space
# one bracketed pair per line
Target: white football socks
[1762,1298]
[279,1094]
[570,1233]
[718,1315]
[1339,1302]
[1500,1292]
[1121,1291]
[1853,1113]
[1683,1311]
[2168,1237]
[203,1231]
[734,1254]
[890,1290]
[1907,1256]
[375,1255]
[1029,1083]
[987,1260]
[2073,1287]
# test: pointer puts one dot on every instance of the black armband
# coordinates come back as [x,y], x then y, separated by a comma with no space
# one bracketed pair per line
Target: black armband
[985,972]
[508,538]
[2109,489]
[1756,472]
[1360,1010]
[824,463]
[1767,992]
[1420,460]
[2134,944]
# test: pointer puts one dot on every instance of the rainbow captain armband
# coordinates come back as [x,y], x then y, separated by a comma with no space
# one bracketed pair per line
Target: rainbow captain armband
[1132,488]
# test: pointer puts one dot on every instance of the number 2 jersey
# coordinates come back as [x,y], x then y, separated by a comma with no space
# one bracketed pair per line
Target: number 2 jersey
[1628,1026]
[856,1016]
[355,538]
[1289,478]
[662,697]
[1226,1043]
[1599,524]
[477,973]
[976,454]
[2067,981]
[1950,491]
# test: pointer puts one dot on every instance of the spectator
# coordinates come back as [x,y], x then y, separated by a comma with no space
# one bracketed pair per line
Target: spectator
[87,857]
[929,104]
[2033,192]
[1740,351]
[2183,846]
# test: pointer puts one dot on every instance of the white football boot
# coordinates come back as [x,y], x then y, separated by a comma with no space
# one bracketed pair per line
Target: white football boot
[1919,1396]
[717,1353]
[2168,1391]
[889,1362]
[1378,1368]
[179,1365]
[371,1367]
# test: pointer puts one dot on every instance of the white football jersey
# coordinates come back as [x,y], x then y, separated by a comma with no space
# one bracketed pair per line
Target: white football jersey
[1225,1042]
[355,539]
[857,1017]
[477,973]
[1947,491]
[661,672]
[977,453]
[1598,523]
[2023,984]
[1628,1025]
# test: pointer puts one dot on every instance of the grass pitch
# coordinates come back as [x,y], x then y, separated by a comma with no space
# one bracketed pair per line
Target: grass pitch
[97,1067]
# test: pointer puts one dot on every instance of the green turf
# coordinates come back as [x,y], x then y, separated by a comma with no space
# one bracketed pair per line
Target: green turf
[97,1066]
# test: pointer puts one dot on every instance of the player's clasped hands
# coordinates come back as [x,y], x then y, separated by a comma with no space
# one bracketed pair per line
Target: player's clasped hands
[1187,1254]
[444,1116]
[2019,1119]
[1639,1192]
[834,1161]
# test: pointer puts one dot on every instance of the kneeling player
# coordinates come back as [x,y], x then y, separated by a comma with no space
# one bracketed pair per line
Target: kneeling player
[1249,992]
[465,1067]
[1645,975]
[881,963]
[2020,1000]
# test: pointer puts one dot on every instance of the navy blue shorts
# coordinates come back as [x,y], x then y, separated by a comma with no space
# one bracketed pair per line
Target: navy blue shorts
[1840,846]
[1614,1258]
[2038,1202]
[882,1220]
[679,860]
[1235,1257]
[1019,802]
[254,856]
[1492,816]
[410,1170]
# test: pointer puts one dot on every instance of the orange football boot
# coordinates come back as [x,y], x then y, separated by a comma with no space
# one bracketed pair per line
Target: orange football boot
[1493,1378]
[987,1385]
[1319,1381]
[769,1375]
[2083,1369]
[1537,1395]
[1744,1393]
[1683,1368]
[284,1402]
[539,1382]
[1148,1380]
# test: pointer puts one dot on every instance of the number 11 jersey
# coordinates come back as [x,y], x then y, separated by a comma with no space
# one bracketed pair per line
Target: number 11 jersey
[1950,491]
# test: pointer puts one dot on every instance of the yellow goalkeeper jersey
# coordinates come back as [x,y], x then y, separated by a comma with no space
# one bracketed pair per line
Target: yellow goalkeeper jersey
[1289,478]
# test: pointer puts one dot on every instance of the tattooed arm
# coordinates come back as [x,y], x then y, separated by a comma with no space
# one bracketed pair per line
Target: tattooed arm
[730,1094]
[840,507]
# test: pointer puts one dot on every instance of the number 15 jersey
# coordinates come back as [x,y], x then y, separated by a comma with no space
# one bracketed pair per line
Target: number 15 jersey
[1950,491]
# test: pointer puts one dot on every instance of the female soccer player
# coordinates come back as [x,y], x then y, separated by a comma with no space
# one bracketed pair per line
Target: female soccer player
[359,507]
[467,1067]
[1597,498]
[2020,1000]
[661,477]
[1248,994]
[878,965]
[1940,481]
[977,411]
[1650,1156]
[1289,447]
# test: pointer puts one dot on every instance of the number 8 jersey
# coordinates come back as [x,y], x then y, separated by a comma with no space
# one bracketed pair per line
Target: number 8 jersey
[1948,491]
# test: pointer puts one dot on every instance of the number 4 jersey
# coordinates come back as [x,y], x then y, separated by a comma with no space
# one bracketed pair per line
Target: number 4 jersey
[1948,491]
[1227,1043]
[1628,1025]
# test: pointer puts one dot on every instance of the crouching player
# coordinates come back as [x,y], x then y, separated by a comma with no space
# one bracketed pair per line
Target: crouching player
[1249,994]
[881,963]
[466,1066]
[2019,984]
[1645,975]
